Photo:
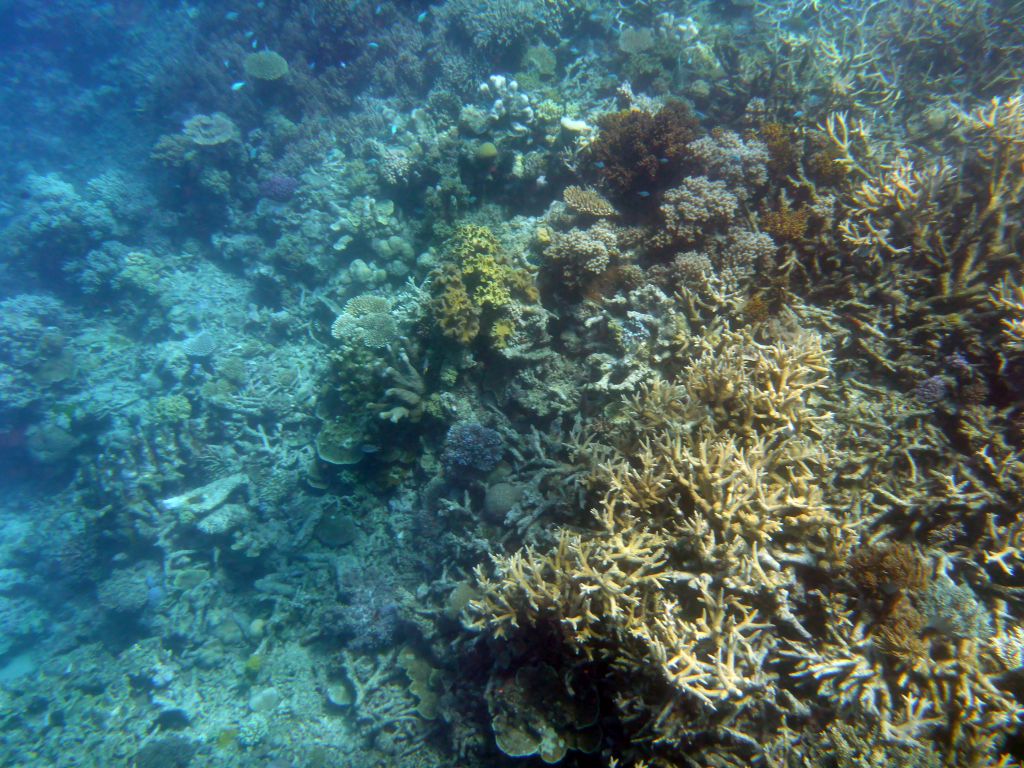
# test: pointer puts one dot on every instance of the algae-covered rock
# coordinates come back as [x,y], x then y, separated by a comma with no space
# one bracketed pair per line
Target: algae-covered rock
[536,713]
[459,598]
[338,443]
[422,681]
[50,443]
[335,529]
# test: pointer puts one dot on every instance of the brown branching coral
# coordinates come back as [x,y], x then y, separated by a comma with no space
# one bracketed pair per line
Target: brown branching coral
[785,224]
[883,571]
[783,148]
[636,152]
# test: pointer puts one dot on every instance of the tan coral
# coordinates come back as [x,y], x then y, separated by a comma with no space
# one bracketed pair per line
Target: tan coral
[587,201]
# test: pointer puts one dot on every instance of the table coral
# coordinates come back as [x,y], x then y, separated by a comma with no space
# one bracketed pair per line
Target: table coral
[265,65]
[210,130]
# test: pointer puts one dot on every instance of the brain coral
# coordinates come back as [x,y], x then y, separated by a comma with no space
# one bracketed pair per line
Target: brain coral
[366,319]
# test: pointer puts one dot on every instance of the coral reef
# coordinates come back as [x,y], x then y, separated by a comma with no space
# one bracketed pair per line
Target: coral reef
[469,383]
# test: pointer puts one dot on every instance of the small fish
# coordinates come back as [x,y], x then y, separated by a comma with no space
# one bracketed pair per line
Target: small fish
[373,46]
[238,86]
[249,33]
[231,15]
[394,128]
[255,42]
[644,193]
[378,9]
[663,160]
[226,63]
[421,18]
[342,64]
[312,65]
[599,165]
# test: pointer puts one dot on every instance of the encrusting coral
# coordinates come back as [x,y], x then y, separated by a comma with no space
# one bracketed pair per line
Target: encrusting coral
[478,286]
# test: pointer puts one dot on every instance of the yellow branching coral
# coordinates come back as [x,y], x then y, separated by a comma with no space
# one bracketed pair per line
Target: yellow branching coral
[699,511]
[749,385]
[1001,126]
[716,495]
[1008,297]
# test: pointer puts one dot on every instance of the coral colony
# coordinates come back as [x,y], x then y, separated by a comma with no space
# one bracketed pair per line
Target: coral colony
[512,382]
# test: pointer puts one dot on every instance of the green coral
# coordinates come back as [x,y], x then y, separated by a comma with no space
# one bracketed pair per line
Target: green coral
[170,409]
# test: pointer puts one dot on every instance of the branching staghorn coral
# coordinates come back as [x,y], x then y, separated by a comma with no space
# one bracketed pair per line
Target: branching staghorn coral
[925,239]
[897,56]
[1008,297]
[693,523]
[715,497]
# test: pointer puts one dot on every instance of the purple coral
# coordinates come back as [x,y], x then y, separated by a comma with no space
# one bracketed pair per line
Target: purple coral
[279,188]
[471,446]
[369,621]
[931,390]
[959,365]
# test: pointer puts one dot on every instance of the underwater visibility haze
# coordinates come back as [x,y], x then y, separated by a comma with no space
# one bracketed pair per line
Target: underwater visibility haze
[604,384]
